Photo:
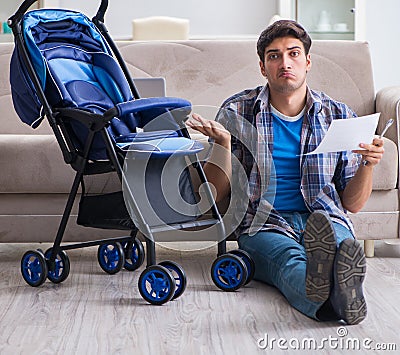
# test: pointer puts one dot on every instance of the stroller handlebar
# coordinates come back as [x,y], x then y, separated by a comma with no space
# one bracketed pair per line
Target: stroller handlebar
[101,11]
[24,7]
[16,18]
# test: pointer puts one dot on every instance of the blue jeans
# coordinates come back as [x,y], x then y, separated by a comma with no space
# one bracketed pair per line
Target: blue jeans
[281,261]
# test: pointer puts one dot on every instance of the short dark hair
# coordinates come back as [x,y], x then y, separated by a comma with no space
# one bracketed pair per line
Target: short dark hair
[282,28]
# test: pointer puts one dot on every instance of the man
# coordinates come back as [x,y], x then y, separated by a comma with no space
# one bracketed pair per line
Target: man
[305,245]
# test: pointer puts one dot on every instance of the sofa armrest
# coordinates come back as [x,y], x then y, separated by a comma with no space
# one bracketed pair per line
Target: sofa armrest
[386,172]
[387,103]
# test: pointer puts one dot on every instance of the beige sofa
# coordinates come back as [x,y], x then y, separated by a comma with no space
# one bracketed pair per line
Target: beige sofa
[34,181]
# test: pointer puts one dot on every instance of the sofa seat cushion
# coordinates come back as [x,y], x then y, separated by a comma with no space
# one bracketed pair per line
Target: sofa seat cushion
[376,225]
[35,165]
[382,201]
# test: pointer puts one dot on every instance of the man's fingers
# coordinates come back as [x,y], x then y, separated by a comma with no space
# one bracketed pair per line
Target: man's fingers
[195,121]
[372,153]
[376,146]
[378,142]
[200,123]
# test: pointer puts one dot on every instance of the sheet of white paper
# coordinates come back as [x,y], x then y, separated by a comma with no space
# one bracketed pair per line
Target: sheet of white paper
[347,134]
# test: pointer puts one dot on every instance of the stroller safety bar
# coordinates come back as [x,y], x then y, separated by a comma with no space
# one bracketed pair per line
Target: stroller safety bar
[137,105]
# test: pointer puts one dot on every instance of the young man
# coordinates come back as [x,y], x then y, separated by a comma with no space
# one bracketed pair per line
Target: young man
[304,244]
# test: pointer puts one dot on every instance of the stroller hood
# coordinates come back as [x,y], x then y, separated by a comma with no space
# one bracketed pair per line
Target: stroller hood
[73,28]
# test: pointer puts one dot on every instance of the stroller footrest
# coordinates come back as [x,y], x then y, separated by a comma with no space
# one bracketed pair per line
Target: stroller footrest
[194,224]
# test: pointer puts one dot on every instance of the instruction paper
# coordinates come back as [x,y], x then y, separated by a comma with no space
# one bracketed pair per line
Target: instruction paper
[347,134]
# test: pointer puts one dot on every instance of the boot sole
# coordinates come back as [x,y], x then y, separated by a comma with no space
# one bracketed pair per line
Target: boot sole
[349,273]
[320,245]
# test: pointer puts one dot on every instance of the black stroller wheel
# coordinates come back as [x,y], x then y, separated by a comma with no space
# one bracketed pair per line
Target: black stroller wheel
[134,256]
[248,260]
[61,266]
[111,257]
[229,272]
[156,285]
[34,268]
[178,274]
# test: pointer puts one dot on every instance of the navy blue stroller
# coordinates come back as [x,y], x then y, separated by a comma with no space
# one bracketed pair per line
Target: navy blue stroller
[67,68]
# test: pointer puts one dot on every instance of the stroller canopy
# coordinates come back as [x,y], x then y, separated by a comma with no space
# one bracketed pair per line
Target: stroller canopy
[42,30]
[76,69]
[46,29]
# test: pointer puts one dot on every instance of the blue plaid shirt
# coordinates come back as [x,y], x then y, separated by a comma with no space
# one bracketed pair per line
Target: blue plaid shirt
[248,117]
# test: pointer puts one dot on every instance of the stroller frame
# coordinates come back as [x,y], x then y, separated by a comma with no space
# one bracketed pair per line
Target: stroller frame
[54,263]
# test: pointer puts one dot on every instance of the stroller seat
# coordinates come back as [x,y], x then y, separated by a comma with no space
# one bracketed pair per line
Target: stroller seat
[86,79]
[89,81]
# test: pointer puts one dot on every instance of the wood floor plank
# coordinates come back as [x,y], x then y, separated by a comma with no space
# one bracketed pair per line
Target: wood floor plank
[95,313]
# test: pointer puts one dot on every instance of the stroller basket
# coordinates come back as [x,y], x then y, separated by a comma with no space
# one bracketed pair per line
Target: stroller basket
[106,211]
[68,69]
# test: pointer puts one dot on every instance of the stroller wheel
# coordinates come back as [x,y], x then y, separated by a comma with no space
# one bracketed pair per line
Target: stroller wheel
[61,266]
[34,268]
[134,255]
[178,274]
[229,272]
[111,257]
[248,260]
[156,285]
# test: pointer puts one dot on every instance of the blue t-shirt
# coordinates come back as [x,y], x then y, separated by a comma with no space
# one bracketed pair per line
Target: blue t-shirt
[284,189]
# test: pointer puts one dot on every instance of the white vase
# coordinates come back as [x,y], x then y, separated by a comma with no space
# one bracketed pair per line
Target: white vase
[323,22]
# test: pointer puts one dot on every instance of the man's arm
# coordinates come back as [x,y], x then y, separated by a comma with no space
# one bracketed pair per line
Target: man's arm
[359,188]
[218,168]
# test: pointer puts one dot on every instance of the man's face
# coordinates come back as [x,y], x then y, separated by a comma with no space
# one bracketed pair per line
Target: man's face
[285,65]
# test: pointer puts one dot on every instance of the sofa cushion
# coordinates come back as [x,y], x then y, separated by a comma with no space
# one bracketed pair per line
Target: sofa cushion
[343,70]
[201,72]
[382,201]
[35,165]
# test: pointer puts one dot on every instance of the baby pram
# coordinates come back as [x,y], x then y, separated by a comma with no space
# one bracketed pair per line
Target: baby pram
[67,68]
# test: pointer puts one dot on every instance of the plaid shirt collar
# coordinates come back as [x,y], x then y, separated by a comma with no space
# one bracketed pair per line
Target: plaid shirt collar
[313,105]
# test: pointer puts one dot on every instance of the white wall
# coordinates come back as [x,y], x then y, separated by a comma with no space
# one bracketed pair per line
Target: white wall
[249,17]
[383,35]
[207,17]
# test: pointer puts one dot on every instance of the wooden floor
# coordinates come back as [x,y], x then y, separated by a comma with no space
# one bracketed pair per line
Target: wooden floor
[95,313]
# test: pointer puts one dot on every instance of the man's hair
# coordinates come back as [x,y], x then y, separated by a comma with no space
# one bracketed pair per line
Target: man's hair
[282,28]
